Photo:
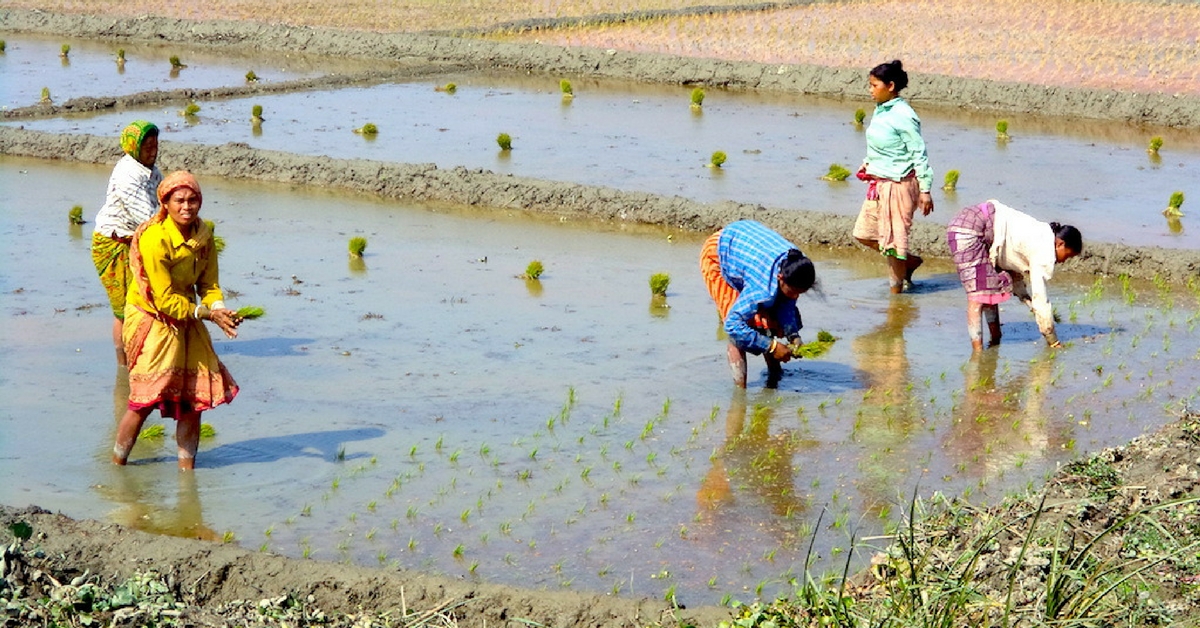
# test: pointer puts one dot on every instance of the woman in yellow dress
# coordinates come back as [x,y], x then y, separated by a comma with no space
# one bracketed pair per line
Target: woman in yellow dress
[172,364]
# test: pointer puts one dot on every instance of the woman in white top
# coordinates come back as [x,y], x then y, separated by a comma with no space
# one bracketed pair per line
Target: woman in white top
[131,200]
[1000,252]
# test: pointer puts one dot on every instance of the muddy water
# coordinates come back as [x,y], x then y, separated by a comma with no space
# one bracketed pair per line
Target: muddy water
[30,63]
[427,408]
[1095,175]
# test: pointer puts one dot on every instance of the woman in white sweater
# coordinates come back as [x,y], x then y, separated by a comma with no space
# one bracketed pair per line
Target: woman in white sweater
[1000,252]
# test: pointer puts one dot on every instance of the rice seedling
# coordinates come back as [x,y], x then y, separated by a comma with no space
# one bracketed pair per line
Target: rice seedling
[176,64]
[658,283]
[3,46]
[534,270]
[65,51]
[367,130]
[76,215]
[951,181]
[717,159]
[1002,131]
[1174,204]
[207,431]
[191,110]
[1156,143]
[837,172]
[357,246]
[46,99]
[564,86]
[228,537]
[504,141]
[815,349]
[860,115]
[251,77]
[152,432]
[449,88]
[256,114]
[697,98]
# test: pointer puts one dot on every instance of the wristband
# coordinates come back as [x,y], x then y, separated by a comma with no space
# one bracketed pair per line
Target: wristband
[771,347]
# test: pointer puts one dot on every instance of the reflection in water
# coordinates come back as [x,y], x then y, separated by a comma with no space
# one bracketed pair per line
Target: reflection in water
[358,265]
[999,425]
[752,461]
[659,308]
[534,286]
[142,503]
[886,418]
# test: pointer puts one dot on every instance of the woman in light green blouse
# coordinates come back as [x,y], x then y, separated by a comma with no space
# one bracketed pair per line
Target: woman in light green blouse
[897,173]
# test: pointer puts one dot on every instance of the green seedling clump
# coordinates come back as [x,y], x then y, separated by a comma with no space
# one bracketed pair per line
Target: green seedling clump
[152,432]
[565,87]
[504,140]
[449,88]
[3,45]
[1156,143]
[951,183]
[256,114]
[718,159]
[697,98]
[120,55]
[76,215]
[534,270]
[1002,130]
[367,129]
[192,109]
[659,283]
[207,430]
[859,116]
[1174,205]
[837,172]
[251,77]
[816,349]
[358,244]
[218,241]
[46,96]
[250,312]
[66,51]
[176,63]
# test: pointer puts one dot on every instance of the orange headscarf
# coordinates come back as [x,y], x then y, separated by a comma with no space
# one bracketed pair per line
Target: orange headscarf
[172,182]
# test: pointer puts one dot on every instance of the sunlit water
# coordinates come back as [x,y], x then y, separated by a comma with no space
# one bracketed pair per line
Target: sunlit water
[1095,175]
[429,409]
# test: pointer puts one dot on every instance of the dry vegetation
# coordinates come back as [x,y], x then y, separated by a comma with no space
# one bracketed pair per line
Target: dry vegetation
[1136,46]
[398,15]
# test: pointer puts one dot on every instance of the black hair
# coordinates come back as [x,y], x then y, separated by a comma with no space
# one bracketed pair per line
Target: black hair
[797,271]
[1070,236]
[892,72]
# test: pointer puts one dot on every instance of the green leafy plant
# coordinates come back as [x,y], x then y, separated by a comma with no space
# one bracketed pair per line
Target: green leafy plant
[66,51]
[176,64]
[816,349]
[358,244]
[76,215]
[120,55]
[256,114]
[251,77]
[951,182]
[191,109]
[368,129]
[1002,130]
[697,98]
[659,283]
[218,241]
[207,431]
[1174,205]
[449,88]
[250,312]
[837,172]
[860,115]
[504,140]
[46,96]
[3,46]
[152,432]
[534,270]
[717,159]
[1156,143]
[565,87]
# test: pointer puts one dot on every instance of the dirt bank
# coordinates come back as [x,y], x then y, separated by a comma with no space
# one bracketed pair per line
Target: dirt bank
[427,182]
[929,90]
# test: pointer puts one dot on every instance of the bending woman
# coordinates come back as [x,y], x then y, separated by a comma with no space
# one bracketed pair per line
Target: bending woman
[172,364]
[129,202]
[897,173]
[999,252]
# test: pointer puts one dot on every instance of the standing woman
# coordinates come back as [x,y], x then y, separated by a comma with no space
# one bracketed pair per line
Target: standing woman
[172,364]
[897,173]
[129,202]
[999,252]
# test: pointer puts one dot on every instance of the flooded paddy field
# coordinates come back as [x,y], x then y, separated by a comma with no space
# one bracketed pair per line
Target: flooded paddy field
[634,136]
[429,409]
[33,62]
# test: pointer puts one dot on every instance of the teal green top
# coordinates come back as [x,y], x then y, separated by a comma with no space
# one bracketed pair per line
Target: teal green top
[895,146]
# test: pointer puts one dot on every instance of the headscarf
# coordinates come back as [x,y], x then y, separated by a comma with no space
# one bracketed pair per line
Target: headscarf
[133,136]
[174,181]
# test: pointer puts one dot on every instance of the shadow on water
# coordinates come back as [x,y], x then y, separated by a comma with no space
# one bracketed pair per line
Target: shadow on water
[1027,331]
[936,283]
[326,446]
[265,347]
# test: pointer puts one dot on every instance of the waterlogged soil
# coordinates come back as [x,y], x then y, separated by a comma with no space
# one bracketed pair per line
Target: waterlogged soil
[639,137]
[425,408]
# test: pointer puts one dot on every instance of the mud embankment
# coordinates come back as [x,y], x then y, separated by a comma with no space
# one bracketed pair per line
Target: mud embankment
[929,90]
[483,188]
